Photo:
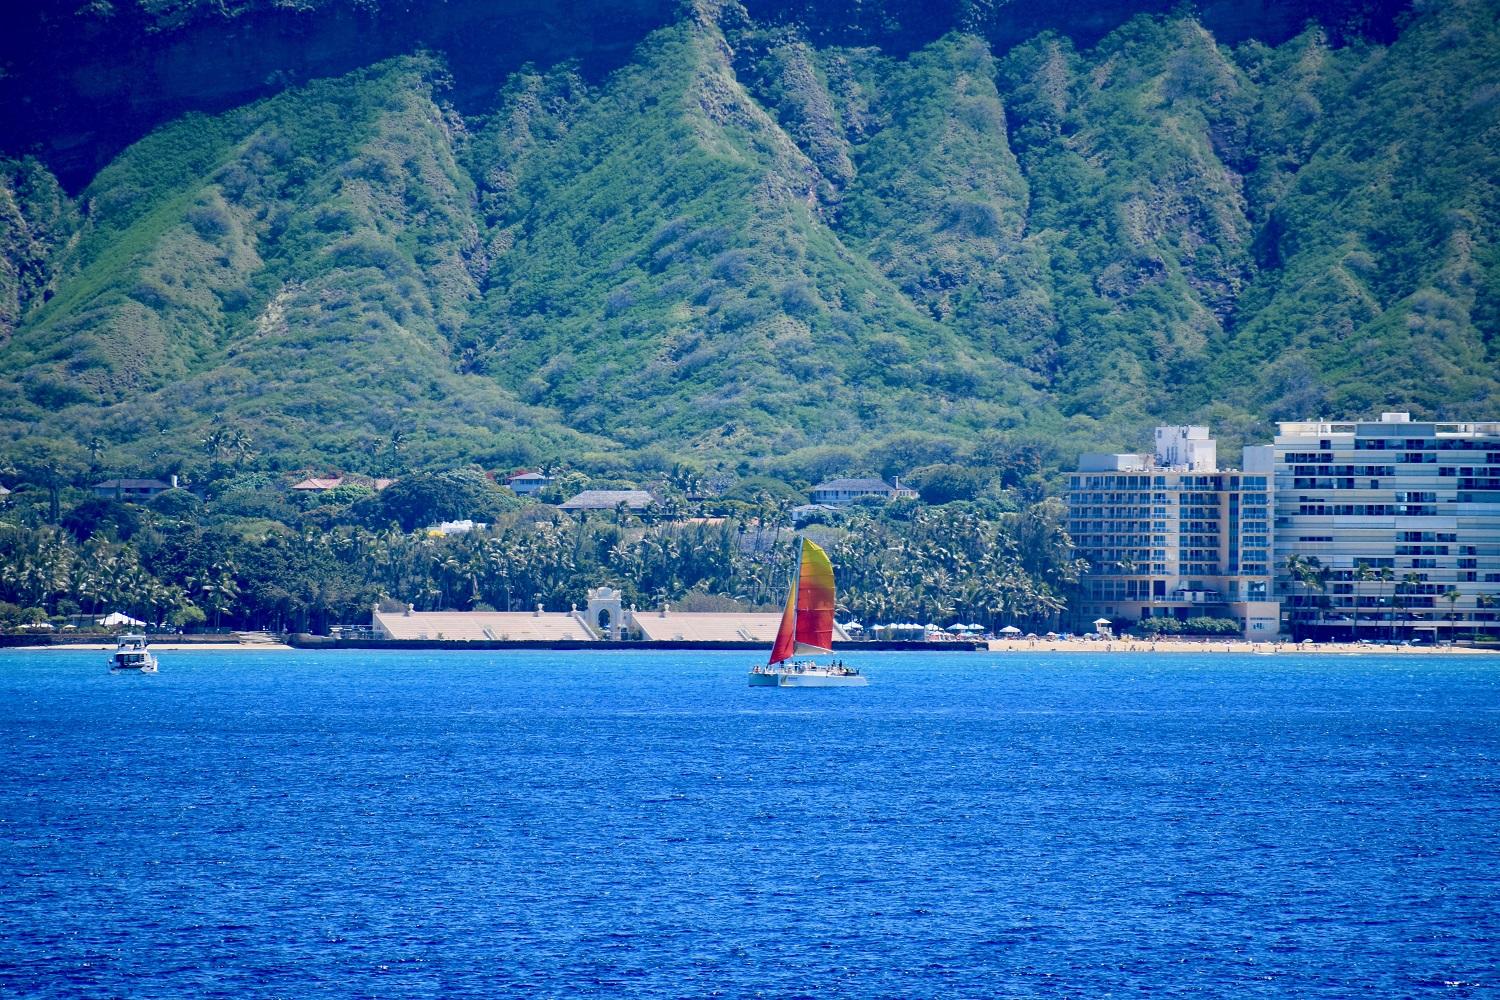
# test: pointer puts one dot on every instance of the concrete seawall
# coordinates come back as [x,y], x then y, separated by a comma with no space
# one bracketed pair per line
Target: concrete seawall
[304,641]
[96,639]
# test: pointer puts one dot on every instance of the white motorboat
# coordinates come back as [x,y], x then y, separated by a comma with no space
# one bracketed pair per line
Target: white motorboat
[807,631]
[131,654]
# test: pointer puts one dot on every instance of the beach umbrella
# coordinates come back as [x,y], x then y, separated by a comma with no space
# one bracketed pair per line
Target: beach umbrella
[1010,630]
[931,627]
[960,627]
[975,627]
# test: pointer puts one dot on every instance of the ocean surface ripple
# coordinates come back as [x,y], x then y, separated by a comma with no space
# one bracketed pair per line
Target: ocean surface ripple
[373,824]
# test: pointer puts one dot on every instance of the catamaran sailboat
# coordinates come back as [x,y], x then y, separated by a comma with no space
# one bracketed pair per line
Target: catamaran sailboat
[131,654]
[807,631]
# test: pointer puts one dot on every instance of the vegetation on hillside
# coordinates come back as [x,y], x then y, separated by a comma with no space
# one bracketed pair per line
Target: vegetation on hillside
[253,557]
[753,252]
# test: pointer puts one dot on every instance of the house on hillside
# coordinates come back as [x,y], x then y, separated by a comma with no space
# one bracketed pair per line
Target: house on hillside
[319,484]
[607,500]
[802,513]
[844,491]
[132,489]
[446,528]
[322,484]
[525,482]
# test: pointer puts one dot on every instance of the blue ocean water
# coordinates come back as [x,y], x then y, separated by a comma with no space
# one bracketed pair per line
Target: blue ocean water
[357,824]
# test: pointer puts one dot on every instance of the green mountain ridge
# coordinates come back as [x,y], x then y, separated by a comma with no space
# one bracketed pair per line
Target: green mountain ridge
[746,247]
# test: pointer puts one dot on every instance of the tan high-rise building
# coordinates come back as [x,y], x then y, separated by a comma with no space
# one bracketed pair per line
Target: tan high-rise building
[1171,534]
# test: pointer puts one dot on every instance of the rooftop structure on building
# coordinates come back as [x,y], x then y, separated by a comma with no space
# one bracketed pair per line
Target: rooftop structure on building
[1389,528]
[1169,534]
[133,489]
[802,513]
[1181,449]
[844,491]
[322,484]
[446,528]
[319,484]
[605,500]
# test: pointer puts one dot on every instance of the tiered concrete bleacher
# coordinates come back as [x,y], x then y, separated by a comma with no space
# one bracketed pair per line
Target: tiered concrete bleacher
[704,626]
[479,626]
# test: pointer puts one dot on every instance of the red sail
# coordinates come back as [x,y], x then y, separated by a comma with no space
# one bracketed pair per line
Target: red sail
[807,622]
[785,643]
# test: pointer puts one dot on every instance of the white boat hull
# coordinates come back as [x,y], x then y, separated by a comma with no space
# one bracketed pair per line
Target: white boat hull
[143,668]
[817,680]
[807,677]
[131,654]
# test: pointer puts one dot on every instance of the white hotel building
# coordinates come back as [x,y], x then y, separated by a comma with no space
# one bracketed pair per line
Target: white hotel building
[1403,518]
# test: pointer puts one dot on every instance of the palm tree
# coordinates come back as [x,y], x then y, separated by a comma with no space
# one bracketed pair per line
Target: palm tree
[1481,601]
[1388,575]
[1315,577]
[96,447]
[1309,573]
[1364,573]
[1295,566]
[1451,595]
[1410,582]
[239,444]
[395,444]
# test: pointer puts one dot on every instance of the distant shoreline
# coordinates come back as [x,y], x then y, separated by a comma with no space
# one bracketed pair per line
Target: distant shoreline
[173,647]
[1216,646]
[998,646]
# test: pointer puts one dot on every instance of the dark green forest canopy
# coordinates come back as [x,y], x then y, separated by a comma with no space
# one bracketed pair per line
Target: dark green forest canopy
[756,241]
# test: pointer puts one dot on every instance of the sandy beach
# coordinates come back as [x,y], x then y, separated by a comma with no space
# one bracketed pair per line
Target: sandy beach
[172,647]
[995,646]
[1214,646]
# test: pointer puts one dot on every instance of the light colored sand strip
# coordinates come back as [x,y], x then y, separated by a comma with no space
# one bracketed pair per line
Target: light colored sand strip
[1142,646]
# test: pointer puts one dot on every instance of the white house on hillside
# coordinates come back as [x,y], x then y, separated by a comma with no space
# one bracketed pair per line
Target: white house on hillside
[526,483]
[842,491]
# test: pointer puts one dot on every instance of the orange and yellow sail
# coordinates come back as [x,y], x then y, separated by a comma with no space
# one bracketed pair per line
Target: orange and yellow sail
[807,622]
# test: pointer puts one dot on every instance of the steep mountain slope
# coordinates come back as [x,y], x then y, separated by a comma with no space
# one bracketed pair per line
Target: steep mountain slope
[668,273]
[80,81]
[1143,222]
[298,266]
[37,223]
[746,244]
[1380,251]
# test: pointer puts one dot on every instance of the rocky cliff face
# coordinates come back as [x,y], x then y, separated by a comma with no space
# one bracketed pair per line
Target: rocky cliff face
[748,242]
[78,82]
